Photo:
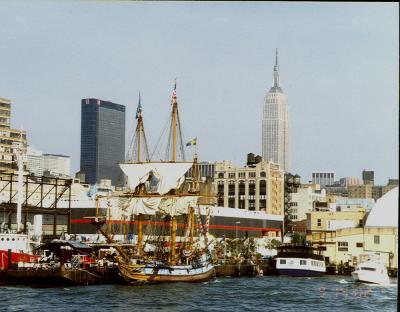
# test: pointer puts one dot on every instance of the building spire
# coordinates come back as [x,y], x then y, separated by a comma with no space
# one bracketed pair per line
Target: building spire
[276,70]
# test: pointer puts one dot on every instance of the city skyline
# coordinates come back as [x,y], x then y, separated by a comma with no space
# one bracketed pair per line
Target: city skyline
[340,68]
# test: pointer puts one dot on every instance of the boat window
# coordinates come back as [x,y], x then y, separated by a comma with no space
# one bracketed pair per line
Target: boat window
[282,261]
[2,238]
[303,262]
[367,269]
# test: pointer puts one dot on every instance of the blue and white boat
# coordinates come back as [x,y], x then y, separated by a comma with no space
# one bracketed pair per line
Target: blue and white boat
[300,261]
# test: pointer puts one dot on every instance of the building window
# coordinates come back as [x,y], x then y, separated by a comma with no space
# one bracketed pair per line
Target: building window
[220,187]
[318,222]
[220,175]
[231,188]
[359,244]
[252,205]
[263,187]
[376,239]
[343,246]
[242,175]
[231,175]
[263,174]
[252,174]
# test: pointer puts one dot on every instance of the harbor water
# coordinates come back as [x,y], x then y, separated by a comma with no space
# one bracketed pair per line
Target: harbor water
[264,293]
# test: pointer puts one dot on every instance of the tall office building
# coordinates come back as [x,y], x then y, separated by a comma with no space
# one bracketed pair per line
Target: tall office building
[10,139]
[102,141]
[275,124]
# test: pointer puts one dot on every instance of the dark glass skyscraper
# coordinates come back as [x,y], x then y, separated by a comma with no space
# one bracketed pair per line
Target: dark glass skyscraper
[102,140]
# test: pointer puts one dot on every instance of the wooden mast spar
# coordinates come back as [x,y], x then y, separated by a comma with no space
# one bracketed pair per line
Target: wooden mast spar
[140,139]
[173,223]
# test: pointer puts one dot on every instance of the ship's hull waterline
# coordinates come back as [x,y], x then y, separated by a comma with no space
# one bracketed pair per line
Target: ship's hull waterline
[151,275]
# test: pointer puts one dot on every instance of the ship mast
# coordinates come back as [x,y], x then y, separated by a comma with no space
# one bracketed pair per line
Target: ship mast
[175,139]
[139,148]
[20,198]
[175,128]
[173,123]
[173,240]
[140,137]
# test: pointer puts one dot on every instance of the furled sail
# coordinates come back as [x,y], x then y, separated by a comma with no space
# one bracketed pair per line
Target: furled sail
[161,177]
[128,207]
[177,205]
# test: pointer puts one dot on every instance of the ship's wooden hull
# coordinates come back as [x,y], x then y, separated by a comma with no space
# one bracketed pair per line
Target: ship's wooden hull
[167,275]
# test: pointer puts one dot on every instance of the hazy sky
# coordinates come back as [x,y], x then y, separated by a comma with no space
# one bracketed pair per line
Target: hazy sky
[339,68]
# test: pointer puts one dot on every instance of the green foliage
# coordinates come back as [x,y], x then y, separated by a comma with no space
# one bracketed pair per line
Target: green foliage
[298,238]
[234,248]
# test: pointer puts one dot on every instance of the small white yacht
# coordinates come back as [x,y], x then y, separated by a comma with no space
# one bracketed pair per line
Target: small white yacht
[371,271]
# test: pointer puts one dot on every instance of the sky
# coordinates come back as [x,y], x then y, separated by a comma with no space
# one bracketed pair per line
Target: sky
[339,67]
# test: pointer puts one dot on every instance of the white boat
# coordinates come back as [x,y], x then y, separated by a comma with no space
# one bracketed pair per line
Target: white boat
[300,261]
[371,271]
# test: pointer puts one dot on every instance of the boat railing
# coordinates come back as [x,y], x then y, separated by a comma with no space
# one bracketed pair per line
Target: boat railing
[299,255]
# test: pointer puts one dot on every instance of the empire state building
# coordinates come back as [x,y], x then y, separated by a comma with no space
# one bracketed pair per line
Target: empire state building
[275,124]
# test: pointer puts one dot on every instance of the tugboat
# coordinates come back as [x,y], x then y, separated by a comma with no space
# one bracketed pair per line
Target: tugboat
[294,260]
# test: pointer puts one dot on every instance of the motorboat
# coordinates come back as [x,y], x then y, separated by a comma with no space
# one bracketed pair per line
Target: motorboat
[371,271]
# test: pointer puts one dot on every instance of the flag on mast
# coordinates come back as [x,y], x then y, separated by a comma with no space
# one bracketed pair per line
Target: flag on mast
[173,100]
[192,142]
[139,108]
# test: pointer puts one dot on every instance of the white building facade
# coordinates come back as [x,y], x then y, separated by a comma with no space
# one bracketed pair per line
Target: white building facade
[323,178]
[303,201]
[259,186]
[275,124]
[57,165]
[35,161]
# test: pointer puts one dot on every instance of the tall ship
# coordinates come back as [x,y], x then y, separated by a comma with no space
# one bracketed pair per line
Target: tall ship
[157,192]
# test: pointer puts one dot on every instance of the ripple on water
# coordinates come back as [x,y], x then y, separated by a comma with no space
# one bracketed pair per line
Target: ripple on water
[330,293]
